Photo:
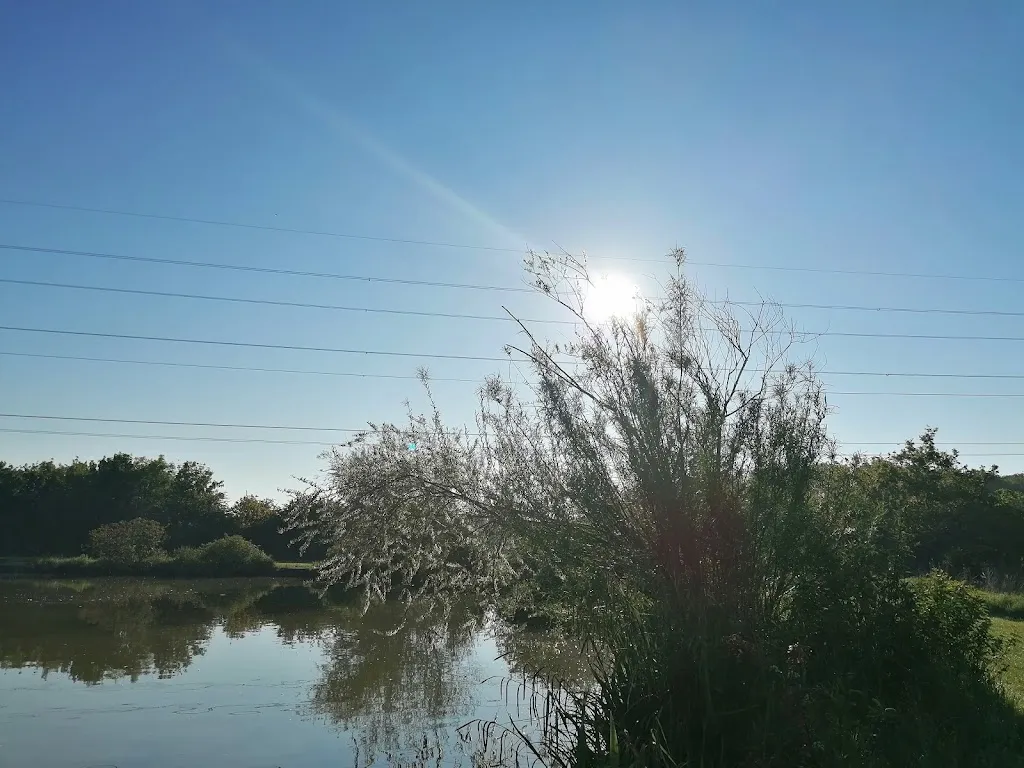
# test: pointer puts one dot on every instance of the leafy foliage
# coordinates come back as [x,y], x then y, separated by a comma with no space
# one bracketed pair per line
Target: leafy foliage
[229,555]
[262,521]
[128,542]
[945,514]
[49,509]
[672,485]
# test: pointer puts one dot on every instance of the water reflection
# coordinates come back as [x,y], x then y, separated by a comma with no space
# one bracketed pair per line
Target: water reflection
[398,667]
[103,630]
[394,682]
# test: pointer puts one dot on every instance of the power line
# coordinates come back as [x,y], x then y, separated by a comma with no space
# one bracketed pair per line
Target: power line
[863,335]
[932,394]
[189,438]
[354,374]
[262,227]
[262,270]
[440,356]
[965,455]
[230,367]
[256,345]
[868,272]
[296,230]
[277,303]
[463,246]
[957,442]
[153,422]
[306,305]
[861,308]
[350,430]
[203,438]
[432,284]
[907,374]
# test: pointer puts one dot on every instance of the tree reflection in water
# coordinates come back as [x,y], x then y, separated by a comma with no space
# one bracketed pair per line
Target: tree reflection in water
[103,630]
[399,676]
[400,679]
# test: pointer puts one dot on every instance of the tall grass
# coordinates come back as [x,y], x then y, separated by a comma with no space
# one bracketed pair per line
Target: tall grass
[665,491]
[227,556]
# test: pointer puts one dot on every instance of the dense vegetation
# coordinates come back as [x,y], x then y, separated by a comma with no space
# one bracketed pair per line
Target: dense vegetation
[50,509]
[669,495]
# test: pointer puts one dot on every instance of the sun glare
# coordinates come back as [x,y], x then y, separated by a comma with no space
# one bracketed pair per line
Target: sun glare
[611,296]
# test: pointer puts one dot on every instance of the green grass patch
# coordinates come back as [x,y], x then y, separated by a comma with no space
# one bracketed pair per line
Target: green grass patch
[188,563]
[1012,667]
[297,570]
[1004,604]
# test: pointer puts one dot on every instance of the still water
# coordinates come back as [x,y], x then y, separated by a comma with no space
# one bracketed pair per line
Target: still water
[250,674]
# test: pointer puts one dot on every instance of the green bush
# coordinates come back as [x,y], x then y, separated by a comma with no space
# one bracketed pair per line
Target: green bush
[890,671]
[227,556]
[186,556]
[127,542]
[742,591]
[883,673]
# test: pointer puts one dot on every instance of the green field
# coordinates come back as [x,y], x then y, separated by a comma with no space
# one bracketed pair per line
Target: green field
[1012,672]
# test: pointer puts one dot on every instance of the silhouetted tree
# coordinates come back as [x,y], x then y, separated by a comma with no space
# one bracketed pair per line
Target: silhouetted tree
[49,509]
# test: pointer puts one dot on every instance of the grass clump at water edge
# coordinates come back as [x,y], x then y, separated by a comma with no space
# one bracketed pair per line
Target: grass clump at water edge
[227,556]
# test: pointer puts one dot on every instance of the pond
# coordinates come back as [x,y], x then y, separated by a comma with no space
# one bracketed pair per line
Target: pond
[251,674]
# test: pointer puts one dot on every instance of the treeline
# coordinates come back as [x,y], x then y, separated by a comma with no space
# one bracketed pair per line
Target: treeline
[50,509]
[942,513]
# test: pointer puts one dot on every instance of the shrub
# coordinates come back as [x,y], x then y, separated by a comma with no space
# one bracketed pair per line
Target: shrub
[668,485]
[128,542]
[229,555]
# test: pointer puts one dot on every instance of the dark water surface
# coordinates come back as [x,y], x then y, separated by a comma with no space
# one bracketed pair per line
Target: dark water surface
[245,674]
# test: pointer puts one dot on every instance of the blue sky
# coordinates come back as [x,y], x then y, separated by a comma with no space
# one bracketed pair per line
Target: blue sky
[868,137]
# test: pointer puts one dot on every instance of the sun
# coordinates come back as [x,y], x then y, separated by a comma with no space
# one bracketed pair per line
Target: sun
[610,296]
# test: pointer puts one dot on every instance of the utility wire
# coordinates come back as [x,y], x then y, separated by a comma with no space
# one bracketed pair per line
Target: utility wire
[196,438]
[440,356]
[862,308]
[263,270]
[189,438]
[931,394]
[276,303]
[868,272]
[353,430]
[152,422]
[957,442]
[255,345]
[272,302]
[298,231]
[233,367]
[324,233]
[862,335]
[303,371]
[262,227]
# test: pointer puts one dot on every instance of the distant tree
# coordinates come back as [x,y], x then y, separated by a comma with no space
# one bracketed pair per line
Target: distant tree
[1010,482]
[950,515]
[262,521]
[49,508]
[250,510]
[194,510]
[127,542]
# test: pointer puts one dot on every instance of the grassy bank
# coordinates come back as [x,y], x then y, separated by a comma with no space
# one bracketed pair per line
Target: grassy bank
[165,566]
[1006,605]
[1012,666]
